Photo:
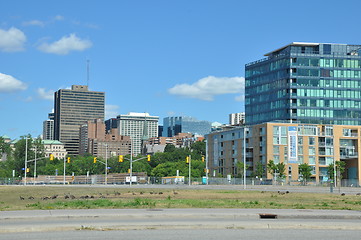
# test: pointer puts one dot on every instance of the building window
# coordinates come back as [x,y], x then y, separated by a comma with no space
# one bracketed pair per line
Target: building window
[312,160]
[276,149]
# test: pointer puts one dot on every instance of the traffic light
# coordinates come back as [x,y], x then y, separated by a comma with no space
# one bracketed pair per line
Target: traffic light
[148,158]
[51,156]
[68,159]
[129,170]
[121,158]
[28,170]
[202,158]
[187,159]
[95,160]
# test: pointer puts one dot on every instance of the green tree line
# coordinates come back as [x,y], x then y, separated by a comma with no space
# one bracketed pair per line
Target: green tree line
[161,164]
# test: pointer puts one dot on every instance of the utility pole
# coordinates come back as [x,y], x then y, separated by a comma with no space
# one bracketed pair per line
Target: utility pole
[64,173]
[106,164]
[26,158]
[131,163]
[35,164]
[206,161]
[189,173]
[244,157]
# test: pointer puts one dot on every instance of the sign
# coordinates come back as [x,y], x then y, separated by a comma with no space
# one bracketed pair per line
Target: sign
[134,179]
[292,144]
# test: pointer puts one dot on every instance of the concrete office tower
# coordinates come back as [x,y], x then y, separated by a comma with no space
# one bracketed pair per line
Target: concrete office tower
[139,126]
[48,128]
[94,139]
[73,107]
[174,125]
[317,83]
[236,118]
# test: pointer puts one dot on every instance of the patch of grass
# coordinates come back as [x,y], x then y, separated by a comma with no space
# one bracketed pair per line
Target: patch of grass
[58,197]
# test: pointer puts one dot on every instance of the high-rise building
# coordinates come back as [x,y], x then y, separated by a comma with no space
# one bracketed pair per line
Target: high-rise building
[318,145]
[48,127]
[236,118]
[174,125]
[139,126]
[72,108]
[95,140]
[316,83]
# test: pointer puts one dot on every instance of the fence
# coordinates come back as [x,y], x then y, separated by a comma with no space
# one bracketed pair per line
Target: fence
[142,178]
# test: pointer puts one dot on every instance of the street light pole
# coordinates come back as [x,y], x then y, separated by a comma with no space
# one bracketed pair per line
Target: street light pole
[244,157]
[35,165]
[106,164]
[131,163]
[206,161]
[189,173]
[64,173]
[26,158]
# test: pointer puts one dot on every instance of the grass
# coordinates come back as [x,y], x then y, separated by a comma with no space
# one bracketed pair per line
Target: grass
[50,197]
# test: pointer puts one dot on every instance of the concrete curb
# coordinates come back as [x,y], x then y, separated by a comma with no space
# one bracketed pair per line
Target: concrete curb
[182,214]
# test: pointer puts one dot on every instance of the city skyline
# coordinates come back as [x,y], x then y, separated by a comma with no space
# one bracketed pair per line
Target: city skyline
[165,58]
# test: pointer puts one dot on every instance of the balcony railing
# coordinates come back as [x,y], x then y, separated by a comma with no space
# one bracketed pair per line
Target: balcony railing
[350,155]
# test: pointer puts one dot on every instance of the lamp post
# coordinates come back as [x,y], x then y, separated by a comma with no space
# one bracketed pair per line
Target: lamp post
[131,163]
[106,164]
[189,170]
[26,158]
[244,157]
[35,165]
[206,162]
[64,172]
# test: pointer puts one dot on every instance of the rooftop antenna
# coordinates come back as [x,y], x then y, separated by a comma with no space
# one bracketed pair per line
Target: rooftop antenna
[87,72]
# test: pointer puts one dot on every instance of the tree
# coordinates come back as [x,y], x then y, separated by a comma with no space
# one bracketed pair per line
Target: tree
[258,172]
[281,169]
[276,170]
[241,168]
[169,148]
[340,169]
[199,147]
[305,171]
[5,148]
[271,167]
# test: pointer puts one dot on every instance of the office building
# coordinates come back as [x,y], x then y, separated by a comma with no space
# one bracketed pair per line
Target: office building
[174,125]
[72,108]
[48,127]
[54,147]
[315,83]
[139,126]
[318,145]
[95,140]
[237,118]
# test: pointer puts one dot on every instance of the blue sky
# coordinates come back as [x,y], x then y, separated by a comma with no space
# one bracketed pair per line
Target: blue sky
[167,58]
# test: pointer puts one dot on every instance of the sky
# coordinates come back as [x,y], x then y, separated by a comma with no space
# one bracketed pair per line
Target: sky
[164,57]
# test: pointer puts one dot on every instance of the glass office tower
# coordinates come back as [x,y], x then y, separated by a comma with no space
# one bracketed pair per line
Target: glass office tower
[305,83]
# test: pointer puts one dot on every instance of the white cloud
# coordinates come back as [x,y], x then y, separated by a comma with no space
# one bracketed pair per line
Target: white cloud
[12,40]
[111,111]
[65,45]
[34,23]
[10,84]
[208,87]
[58,18]
[47,95]
[239,98]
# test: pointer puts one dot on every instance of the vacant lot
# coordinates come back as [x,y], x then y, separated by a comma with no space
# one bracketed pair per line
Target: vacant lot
[51,197]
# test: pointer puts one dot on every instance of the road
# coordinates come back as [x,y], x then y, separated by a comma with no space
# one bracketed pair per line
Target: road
[177,223]
[209,234]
